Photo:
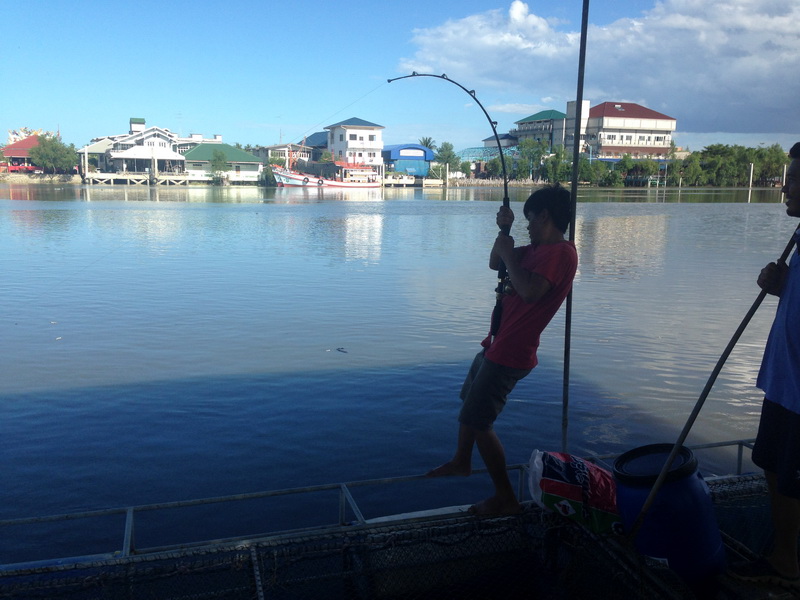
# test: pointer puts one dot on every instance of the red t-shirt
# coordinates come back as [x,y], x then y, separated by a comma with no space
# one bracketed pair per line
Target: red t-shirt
[522,323]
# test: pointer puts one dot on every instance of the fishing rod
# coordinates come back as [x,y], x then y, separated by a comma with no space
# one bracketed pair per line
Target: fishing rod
[506,229]
[701,400]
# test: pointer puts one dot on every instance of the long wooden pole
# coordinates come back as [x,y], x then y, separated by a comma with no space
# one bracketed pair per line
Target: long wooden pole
[701,400]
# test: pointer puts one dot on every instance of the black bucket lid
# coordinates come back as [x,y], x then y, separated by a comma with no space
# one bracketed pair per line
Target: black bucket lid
[641,466]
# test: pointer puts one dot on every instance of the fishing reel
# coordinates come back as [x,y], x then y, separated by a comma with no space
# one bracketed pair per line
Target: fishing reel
[504,286]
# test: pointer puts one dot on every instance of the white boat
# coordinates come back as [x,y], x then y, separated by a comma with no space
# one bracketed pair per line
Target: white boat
[355,176]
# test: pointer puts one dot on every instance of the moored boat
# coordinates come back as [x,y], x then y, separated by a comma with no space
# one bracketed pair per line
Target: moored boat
[358,176]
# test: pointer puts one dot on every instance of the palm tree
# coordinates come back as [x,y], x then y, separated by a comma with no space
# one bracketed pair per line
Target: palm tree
[428,143]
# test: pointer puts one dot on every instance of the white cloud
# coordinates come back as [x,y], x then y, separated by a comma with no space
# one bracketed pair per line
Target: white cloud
[715,66]
[516,108]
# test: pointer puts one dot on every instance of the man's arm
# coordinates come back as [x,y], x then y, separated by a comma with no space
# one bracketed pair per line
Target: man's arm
[530,286]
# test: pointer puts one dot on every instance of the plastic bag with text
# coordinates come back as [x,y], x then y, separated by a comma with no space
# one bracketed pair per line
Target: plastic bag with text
[576,489]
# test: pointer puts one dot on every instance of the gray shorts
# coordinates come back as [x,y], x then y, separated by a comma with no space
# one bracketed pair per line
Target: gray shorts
[485,391]
[777,447]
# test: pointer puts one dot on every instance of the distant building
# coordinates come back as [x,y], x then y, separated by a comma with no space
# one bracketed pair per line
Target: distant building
[507,140]
[142,149]
[286,152]
[617,128]
[412,159]
[243,167]
[318,142]
[17,155]
[541,127]
[356,141]
[607,131]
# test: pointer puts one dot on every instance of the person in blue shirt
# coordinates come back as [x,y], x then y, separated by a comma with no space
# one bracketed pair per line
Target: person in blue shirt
[777,447]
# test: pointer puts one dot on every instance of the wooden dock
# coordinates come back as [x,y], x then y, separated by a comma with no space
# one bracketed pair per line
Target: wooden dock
[129,178]
[411,181]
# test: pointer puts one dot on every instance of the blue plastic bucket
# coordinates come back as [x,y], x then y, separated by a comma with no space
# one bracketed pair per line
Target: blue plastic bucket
[680,527]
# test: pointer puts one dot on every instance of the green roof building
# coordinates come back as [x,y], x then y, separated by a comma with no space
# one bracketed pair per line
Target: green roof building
[242,167]
[545,126]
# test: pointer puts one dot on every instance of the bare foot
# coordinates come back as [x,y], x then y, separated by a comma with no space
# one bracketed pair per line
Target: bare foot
[450,468]
[495,506]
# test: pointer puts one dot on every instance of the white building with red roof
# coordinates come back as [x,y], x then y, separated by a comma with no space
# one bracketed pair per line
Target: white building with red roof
[608,130]
[614,129]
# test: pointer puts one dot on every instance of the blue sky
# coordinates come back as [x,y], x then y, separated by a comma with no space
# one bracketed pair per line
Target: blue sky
[264,72]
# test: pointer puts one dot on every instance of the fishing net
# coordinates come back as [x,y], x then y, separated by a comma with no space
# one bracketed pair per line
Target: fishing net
[533,555]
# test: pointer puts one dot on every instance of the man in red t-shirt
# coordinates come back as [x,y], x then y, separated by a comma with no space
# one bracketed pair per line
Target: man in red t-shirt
[539,278]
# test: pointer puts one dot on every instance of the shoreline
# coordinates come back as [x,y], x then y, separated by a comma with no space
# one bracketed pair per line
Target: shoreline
[28,179]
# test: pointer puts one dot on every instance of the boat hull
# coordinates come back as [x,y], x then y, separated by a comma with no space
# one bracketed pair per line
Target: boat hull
[289,178]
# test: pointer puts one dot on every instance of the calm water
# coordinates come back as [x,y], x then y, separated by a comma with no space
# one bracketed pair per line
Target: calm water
[166,344]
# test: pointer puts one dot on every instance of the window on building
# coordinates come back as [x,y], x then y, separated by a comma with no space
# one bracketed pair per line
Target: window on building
[341,137]
[353,137]
[372,138]
[361,138]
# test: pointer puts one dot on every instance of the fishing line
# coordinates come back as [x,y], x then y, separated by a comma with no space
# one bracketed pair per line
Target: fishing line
[506,229]
[326,119]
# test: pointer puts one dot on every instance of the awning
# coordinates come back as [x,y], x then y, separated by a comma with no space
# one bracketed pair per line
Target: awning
[147,153]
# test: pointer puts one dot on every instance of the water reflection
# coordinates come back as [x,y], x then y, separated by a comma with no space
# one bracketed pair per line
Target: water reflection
[623,246]
[363,237]
[245,194]
[178,193]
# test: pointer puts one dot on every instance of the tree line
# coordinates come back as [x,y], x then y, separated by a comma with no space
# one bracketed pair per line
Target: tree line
[717,165]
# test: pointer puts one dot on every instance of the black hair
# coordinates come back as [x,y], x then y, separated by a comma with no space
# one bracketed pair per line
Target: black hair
[556,200]
[795,151]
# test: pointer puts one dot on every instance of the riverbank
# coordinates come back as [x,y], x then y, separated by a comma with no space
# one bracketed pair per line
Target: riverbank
[25,178]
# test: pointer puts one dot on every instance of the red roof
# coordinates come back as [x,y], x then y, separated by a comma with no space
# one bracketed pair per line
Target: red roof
[21,148]
[625,109]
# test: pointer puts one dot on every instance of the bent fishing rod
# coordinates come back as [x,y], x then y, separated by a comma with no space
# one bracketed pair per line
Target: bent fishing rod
[505,230]
[706,390]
